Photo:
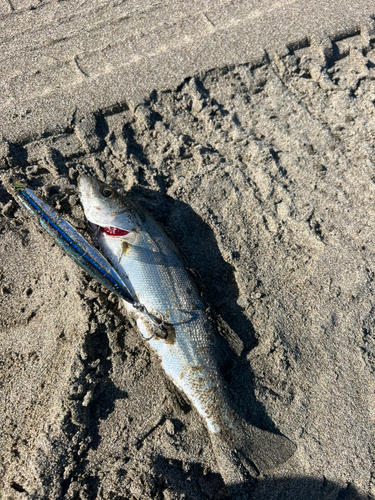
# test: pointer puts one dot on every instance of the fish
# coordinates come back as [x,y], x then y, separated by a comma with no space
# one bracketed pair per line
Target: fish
[151,267]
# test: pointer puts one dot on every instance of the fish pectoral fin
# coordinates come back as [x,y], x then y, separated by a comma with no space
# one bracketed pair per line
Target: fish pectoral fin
[131,237]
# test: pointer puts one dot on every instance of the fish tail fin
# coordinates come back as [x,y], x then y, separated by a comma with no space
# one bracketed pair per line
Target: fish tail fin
[243,450]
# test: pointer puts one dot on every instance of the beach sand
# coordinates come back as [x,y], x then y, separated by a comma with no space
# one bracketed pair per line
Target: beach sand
[263,175]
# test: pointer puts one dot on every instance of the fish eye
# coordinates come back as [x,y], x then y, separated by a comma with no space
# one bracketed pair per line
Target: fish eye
[108,192]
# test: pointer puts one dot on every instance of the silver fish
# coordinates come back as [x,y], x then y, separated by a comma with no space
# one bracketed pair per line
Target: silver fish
[152,270]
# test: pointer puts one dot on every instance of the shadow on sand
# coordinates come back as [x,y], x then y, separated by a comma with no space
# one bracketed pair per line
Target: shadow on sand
[196,485]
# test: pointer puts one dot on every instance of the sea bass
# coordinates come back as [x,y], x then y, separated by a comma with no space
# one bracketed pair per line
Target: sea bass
[149,264]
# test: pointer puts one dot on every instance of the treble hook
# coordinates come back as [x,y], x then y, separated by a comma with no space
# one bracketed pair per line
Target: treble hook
[156,326]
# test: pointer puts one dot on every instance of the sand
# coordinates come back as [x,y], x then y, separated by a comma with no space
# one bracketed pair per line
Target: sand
[262,172]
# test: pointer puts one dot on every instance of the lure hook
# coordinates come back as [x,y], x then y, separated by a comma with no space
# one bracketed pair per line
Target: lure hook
[157,326]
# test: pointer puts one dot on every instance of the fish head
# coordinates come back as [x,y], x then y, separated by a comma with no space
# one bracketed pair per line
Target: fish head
[106,209]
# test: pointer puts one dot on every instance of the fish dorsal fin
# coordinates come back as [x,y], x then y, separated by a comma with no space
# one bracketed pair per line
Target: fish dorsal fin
[226,332]
[234,341]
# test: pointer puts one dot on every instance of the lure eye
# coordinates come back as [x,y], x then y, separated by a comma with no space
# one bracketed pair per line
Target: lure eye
[108,192]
